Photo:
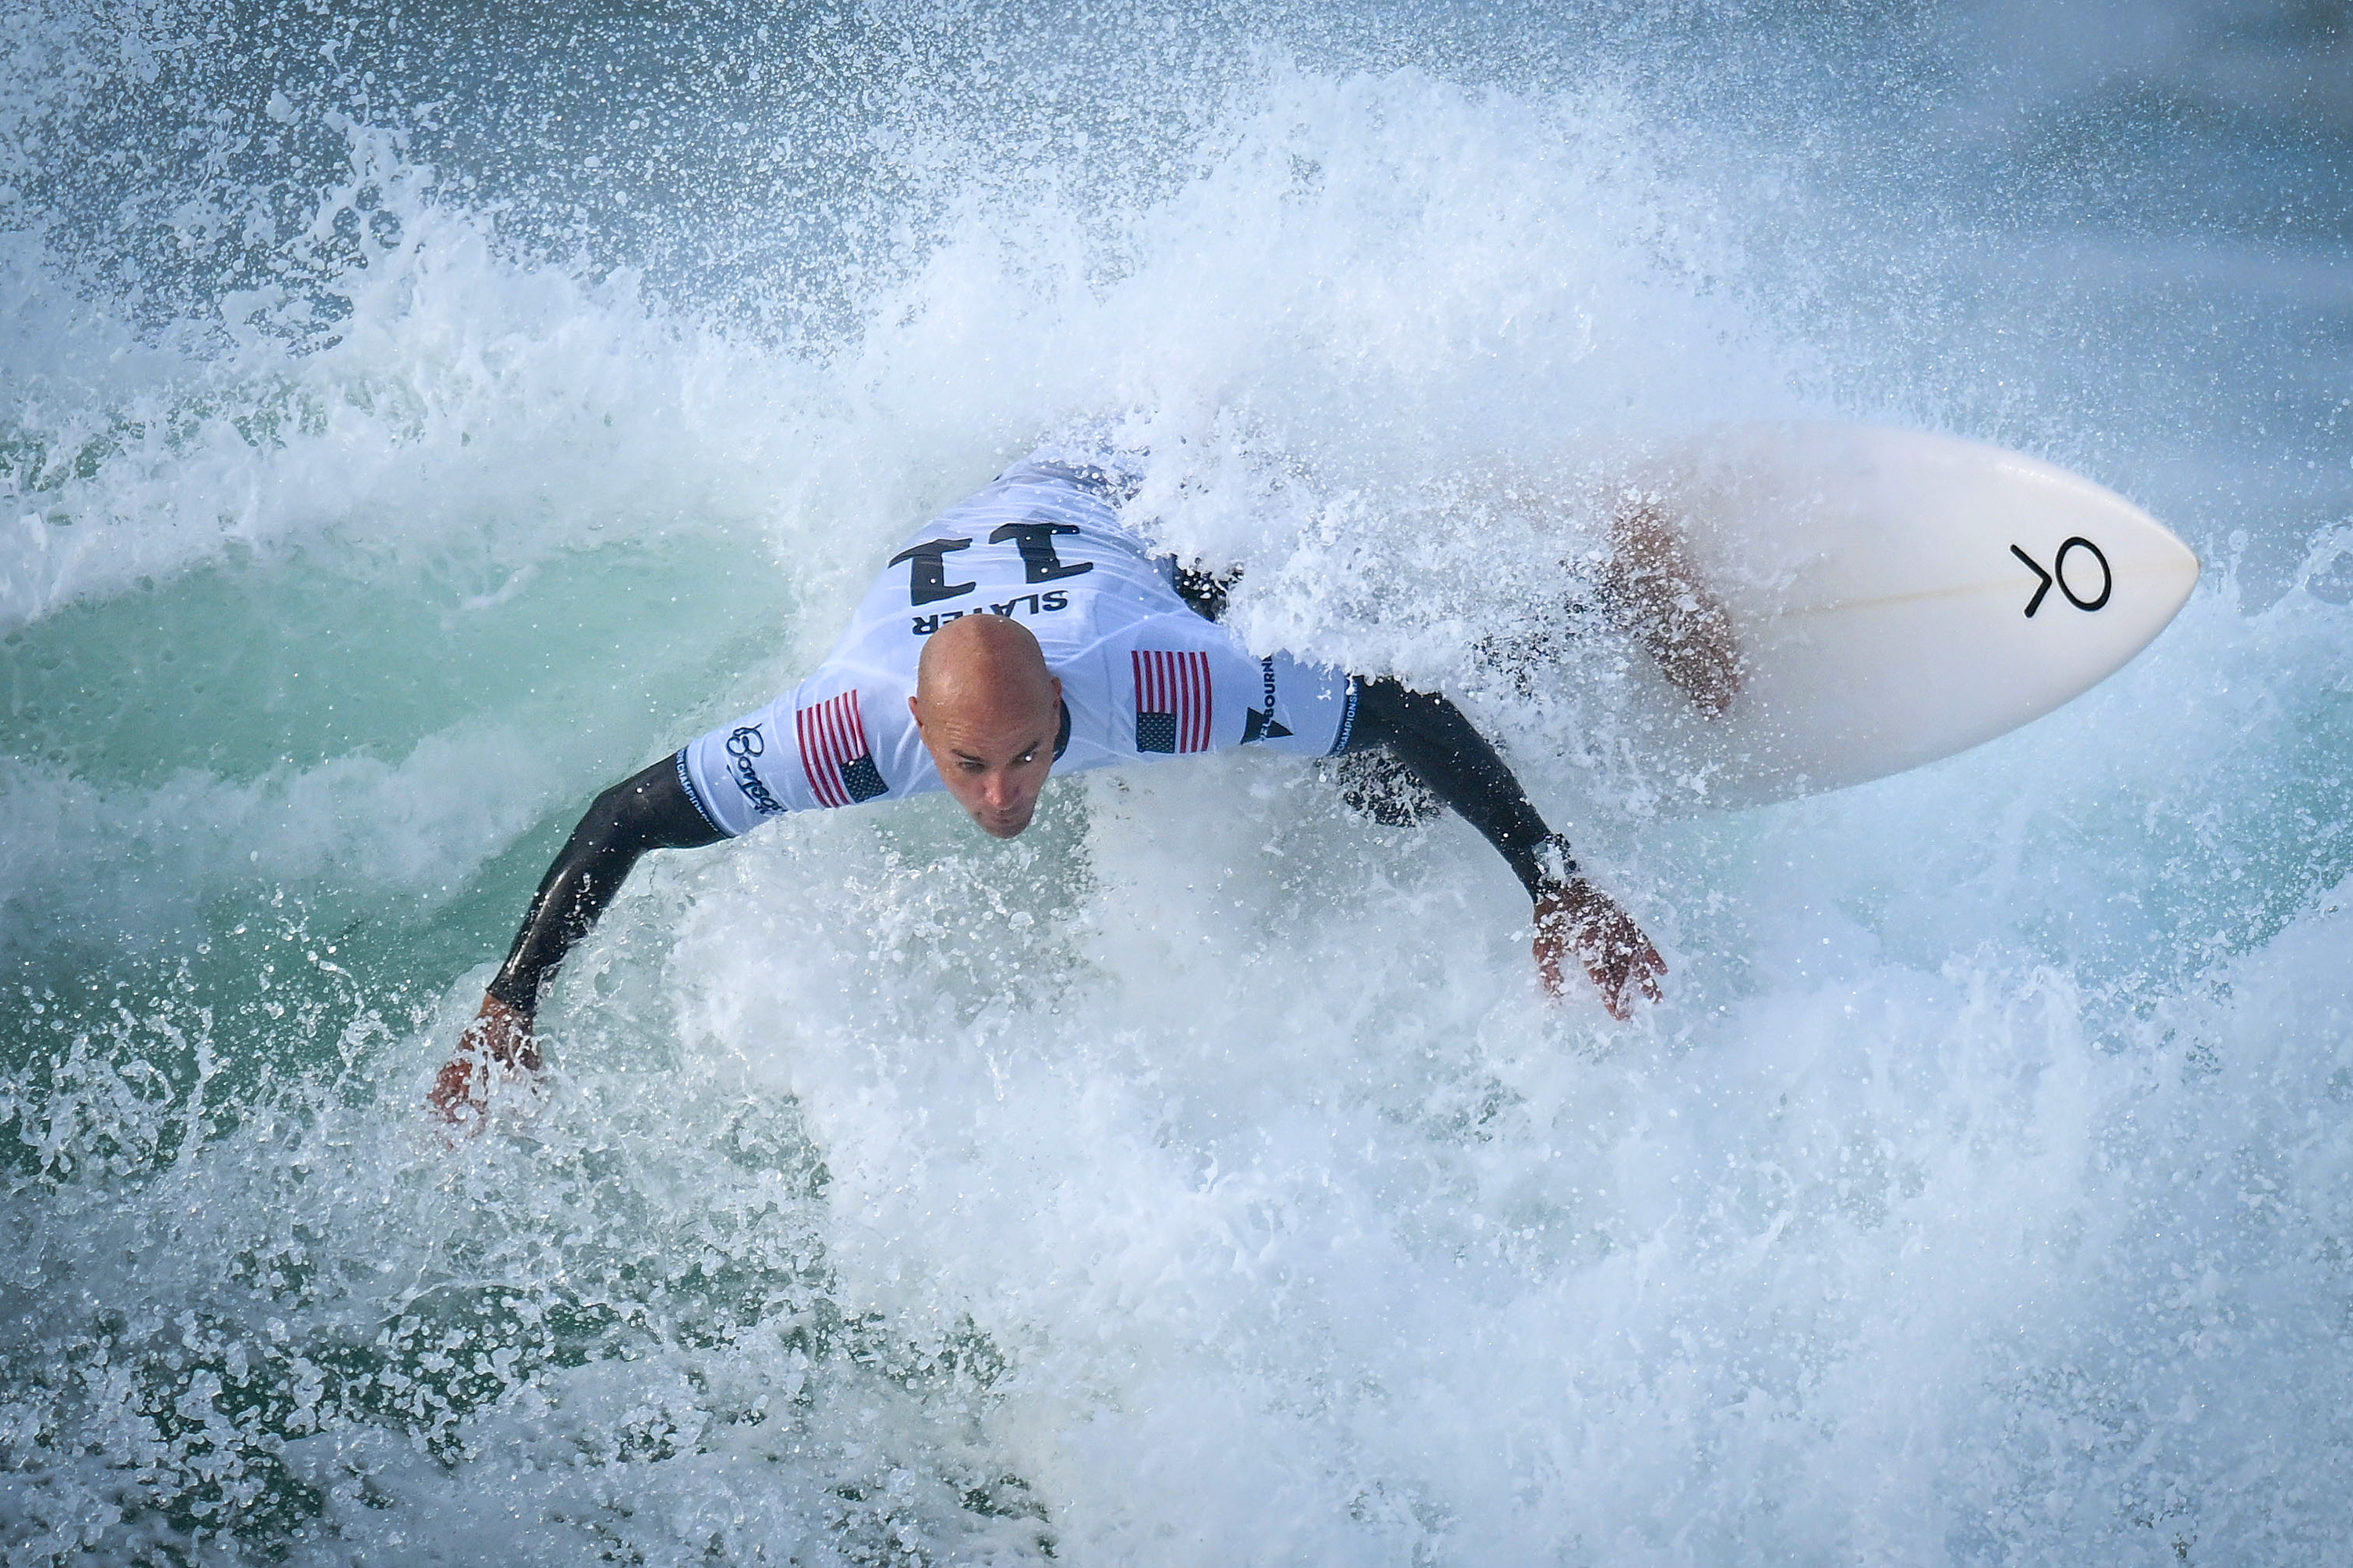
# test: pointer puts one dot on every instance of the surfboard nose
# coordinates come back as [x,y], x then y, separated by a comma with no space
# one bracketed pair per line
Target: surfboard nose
[2182,568]
[1898,596]
[2098,578]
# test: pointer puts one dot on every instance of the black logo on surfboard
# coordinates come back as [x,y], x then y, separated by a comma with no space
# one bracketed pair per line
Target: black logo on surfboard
[2068,577]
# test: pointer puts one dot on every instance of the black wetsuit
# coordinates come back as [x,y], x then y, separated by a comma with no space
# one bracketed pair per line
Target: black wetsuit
[1425,734]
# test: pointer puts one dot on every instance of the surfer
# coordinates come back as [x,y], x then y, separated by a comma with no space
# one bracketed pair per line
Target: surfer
[1026,632]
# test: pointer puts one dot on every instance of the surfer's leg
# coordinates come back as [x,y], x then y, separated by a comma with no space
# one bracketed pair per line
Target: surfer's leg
[648,810]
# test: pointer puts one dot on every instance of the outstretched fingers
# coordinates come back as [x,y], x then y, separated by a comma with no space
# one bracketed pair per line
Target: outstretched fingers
[459,1088]
[1622,968]
[1582,921]
[497,1043]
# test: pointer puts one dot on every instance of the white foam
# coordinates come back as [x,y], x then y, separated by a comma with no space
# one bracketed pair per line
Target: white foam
[1201,1178]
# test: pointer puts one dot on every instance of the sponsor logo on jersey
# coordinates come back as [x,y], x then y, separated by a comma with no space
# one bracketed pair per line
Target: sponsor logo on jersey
[1172,701]
[742,747]
[835,755]
[1261,724]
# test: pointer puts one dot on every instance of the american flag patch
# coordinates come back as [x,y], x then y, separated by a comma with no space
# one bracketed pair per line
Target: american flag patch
[1172,701]
[834,753]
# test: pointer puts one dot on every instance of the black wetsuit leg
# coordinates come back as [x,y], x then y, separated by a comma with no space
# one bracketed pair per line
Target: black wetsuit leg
[648,810]
[1453,761]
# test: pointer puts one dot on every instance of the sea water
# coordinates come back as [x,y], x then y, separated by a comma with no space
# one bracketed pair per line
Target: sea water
[413,420]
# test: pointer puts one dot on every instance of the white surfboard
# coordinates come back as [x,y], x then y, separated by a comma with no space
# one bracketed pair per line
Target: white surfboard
[1894,598]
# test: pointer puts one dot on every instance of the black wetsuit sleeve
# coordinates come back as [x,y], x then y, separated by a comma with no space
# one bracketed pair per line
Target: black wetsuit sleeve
[648,810]
[1454,762]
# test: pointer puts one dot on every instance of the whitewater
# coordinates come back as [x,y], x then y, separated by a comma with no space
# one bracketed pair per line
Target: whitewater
[412,421]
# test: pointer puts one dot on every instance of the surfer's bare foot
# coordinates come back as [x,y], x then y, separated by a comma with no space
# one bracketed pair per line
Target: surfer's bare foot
[1578,920]
[498,1044]
[1656,595]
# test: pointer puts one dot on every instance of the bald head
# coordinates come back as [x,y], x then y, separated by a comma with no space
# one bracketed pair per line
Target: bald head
[988,658]
[988,710]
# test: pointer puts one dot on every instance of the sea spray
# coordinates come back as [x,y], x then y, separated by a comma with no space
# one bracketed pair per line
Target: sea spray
[412,424]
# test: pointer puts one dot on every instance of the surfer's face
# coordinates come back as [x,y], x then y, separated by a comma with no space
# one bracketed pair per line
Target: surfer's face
[993,747]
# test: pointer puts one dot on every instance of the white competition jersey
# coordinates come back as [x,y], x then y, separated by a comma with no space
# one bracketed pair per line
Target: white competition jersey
[1144,676]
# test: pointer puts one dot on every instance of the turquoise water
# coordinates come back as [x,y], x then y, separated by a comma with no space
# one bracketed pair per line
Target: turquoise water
[410,423]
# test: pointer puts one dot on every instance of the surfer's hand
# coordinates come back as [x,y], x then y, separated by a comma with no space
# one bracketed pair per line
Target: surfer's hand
[499,1041]
[1578,920]
[1659,597]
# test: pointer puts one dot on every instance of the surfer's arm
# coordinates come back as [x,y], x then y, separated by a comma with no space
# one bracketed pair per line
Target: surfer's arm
[1453,761]
[648,810]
